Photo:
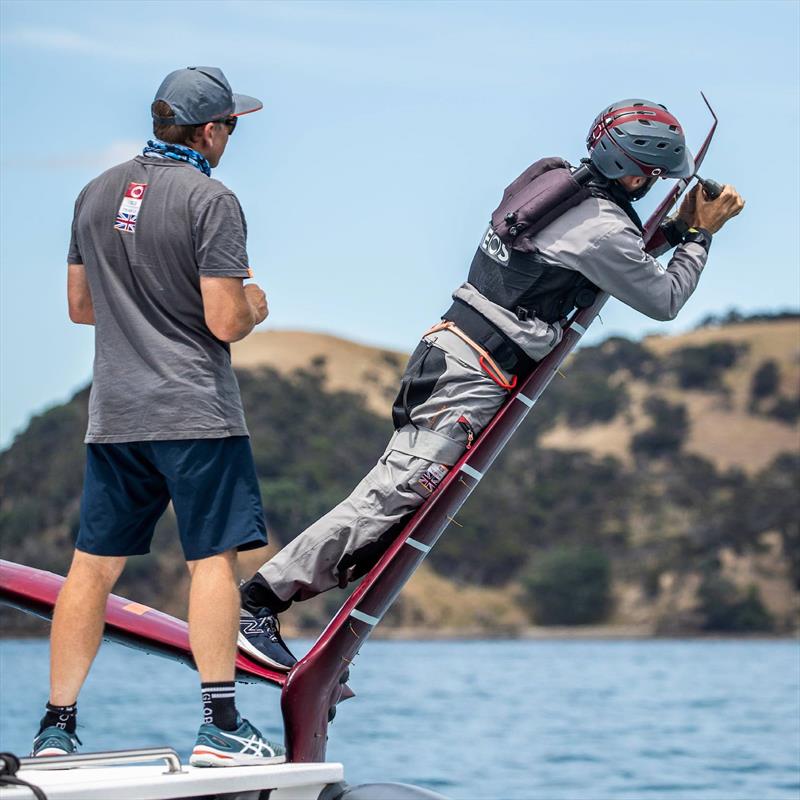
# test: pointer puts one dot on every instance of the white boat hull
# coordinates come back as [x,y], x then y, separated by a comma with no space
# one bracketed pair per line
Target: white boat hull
[153,782]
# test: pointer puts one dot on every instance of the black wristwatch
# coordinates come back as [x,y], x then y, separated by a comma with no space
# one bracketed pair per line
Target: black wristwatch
[699,236]
[676,231]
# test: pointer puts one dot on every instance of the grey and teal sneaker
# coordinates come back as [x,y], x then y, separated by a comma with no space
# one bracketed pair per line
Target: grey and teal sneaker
[242,747]
[54,741]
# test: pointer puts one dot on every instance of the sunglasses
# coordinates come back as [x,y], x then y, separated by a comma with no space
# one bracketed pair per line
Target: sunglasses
[229,123]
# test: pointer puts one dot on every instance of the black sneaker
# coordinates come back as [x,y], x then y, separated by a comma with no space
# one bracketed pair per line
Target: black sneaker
[260,638]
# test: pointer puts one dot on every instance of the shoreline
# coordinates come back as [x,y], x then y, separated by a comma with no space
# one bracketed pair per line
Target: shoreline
[578,633]
[531,634]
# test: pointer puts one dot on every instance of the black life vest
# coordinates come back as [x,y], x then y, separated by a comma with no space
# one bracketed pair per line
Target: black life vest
[525,284]
[508,270]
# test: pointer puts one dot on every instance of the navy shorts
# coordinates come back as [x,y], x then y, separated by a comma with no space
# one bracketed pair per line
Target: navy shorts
[212,484]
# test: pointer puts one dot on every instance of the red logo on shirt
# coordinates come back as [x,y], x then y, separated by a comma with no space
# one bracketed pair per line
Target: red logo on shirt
[136,190]
[125,221]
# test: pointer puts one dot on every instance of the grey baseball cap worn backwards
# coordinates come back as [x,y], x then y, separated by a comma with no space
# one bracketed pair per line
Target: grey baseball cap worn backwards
[201,94]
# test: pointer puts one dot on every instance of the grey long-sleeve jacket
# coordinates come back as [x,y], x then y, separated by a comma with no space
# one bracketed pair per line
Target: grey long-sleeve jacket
[598,239]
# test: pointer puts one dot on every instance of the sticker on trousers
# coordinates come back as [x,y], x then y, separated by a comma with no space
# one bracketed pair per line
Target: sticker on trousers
[428,482]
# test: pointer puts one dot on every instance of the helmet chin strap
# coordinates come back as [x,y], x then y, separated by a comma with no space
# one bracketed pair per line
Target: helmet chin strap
[638,194]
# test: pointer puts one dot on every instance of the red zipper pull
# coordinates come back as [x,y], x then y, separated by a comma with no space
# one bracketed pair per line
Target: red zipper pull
[467,426]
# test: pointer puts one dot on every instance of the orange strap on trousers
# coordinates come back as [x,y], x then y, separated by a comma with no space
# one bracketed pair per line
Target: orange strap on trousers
[484,359]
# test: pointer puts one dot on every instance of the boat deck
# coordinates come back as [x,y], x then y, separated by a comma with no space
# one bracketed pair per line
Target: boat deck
[154,782]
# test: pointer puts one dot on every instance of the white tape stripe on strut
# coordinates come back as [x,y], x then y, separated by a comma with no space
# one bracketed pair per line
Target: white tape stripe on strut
[523,398]
[360,615]
[579,329]
[425,548]
[473,473]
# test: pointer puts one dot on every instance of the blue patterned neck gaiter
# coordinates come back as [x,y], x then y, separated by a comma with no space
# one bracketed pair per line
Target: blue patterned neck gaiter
[178,152]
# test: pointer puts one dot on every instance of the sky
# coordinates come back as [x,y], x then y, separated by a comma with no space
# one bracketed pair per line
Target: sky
[388,133]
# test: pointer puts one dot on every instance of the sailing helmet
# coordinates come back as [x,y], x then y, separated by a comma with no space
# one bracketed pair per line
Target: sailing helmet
[637,137]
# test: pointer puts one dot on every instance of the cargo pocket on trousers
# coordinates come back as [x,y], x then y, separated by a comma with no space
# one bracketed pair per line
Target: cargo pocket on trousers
[427,479]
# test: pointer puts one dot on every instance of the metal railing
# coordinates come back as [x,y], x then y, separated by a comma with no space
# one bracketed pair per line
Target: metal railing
[107,759]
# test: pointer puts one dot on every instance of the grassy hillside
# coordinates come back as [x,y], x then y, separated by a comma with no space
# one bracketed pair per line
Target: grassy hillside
[349,366]
[723,427]
[654,487]
[714,411]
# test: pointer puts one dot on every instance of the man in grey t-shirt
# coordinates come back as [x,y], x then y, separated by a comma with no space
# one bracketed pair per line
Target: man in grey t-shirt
[156,263]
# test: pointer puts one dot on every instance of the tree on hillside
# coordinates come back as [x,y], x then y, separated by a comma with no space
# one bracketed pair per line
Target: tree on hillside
[667,432]
[735,317]
[585,398]
[569,587]
[702,367]
[727,609]
[777,489]
[618,353]
[765,382]
[785,409]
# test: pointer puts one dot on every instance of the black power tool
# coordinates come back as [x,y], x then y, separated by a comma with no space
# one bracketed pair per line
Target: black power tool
[711,188]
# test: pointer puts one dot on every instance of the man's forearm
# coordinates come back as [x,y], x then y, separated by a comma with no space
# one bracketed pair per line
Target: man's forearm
[244,325]
[232,310]
[81,313]
[79,295]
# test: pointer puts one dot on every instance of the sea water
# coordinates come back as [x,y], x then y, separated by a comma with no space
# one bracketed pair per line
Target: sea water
[531,720]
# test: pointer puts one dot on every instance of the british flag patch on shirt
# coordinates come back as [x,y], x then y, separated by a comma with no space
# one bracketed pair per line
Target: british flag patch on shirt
[129,208]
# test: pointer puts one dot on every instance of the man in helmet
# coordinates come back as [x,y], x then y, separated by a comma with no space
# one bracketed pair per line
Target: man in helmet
[503,320]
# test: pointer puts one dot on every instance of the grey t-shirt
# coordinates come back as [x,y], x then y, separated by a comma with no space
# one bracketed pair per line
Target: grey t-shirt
[159,372]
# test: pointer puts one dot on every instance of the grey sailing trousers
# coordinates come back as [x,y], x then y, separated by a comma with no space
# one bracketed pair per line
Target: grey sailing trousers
[447,393]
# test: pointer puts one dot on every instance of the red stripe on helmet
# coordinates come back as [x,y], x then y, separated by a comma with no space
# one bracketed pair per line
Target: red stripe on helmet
[619,116]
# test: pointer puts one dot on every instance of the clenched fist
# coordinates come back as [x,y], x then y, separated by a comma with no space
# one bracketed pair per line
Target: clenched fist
[257,300]
[697,211]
